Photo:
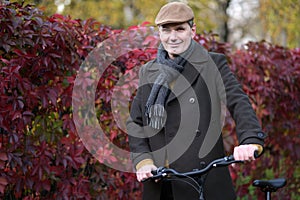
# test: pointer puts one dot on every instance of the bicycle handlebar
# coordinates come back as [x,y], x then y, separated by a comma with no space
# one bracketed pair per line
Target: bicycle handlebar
[162,172]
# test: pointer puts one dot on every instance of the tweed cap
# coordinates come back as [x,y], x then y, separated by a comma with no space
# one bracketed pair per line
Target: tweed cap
[174,12]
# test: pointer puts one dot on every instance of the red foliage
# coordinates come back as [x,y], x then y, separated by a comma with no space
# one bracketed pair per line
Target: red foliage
[270,75]
[41,154]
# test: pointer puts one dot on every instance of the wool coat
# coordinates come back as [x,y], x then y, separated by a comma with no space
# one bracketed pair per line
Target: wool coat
[192,135]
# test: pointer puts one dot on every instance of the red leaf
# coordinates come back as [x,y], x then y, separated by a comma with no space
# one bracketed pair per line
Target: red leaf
[3,156]
[19,52]
[47,185]
[3,183]
[52,95]
[145,23]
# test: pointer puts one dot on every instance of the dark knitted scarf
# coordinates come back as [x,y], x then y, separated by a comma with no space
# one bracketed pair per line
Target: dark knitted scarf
[169,70]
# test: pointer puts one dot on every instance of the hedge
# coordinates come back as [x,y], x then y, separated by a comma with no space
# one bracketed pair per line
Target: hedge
[41,153]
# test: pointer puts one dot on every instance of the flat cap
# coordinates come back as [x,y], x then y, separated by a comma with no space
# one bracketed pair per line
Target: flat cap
[174,12]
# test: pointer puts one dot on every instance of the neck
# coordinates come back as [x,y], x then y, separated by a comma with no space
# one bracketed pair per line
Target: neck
[172,56]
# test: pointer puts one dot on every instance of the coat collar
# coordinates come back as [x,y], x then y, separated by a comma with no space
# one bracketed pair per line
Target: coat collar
[189,75]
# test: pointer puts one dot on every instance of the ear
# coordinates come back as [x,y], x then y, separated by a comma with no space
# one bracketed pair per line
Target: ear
[194,30]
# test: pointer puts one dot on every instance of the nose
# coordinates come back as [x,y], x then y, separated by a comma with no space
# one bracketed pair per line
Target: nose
[173,35]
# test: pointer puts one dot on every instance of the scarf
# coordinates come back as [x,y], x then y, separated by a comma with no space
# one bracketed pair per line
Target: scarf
[169,70]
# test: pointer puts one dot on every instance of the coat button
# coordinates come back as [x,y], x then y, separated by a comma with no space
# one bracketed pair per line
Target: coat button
[261,135]
[192,100]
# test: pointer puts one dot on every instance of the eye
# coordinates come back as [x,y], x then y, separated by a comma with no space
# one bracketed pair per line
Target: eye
[180,29]
[166,30]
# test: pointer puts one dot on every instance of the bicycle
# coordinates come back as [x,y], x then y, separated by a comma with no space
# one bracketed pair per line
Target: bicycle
[267,186]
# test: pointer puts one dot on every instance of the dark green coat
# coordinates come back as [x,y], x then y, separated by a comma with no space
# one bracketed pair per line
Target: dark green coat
[192,134]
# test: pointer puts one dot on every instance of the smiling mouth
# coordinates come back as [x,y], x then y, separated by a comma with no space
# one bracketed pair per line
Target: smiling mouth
[174,45]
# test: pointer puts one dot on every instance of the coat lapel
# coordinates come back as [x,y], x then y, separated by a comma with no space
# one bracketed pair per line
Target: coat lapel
[152,71]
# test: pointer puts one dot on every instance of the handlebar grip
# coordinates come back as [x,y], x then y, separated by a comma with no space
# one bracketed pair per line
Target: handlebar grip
[256,154]
[154,172]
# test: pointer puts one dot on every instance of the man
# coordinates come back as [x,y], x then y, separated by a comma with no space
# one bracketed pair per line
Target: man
[176,116]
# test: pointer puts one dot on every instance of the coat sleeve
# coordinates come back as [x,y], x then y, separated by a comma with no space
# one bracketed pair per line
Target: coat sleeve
[248,128]
[138,141]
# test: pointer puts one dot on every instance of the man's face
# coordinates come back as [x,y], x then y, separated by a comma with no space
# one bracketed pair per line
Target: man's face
[176,38]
